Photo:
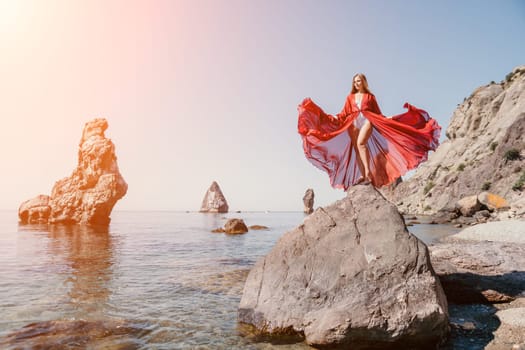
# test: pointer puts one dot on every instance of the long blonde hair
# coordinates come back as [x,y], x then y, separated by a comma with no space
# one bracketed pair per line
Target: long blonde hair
[364,81]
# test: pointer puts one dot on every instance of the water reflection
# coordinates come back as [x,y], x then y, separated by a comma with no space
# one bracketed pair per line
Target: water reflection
[89,252]
[81,261]
[154,280]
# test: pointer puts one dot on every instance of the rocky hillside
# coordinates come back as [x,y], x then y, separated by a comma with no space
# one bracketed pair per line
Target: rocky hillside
[484,151]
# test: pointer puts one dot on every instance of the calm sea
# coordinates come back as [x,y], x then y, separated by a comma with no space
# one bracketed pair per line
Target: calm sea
[152,280]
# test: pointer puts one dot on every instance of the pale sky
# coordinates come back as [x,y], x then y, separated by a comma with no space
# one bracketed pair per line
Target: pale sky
[196,91]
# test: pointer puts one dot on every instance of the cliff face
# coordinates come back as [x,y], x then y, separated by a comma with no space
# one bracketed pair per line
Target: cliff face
[484,151]
[89,194]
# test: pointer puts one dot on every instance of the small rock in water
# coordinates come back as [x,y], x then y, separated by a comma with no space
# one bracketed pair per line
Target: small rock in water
[258,227]
[235,226]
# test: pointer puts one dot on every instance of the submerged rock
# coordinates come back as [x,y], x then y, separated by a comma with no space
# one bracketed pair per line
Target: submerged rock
[350,275]
[77,334]
[308,201]
[214,201]
[258,227]
[90,193]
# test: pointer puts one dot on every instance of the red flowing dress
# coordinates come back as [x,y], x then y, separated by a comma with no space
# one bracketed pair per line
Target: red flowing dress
[396,145]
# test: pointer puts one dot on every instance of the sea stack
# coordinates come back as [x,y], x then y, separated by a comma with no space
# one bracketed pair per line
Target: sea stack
[90,193]
[308,201]
[351,276]
[214,201]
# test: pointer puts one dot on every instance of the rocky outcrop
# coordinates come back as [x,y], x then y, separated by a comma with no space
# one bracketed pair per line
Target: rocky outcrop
[484,150]
[35,210]
[479,272]
[71,333]
[235,226]
[308,201]
[214,201]
[483,263]
[350,275]
[90,193]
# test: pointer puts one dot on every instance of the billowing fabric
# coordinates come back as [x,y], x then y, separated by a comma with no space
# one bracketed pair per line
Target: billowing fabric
[396,145]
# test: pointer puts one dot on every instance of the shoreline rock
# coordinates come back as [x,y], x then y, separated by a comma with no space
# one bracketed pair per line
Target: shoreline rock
[512,231]
[482,264]
[350,274]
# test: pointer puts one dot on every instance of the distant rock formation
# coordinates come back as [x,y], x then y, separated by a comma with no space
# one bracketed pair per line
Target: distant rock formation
[484,151]
[351,276]
[90,193]
[308,201]
[214,201]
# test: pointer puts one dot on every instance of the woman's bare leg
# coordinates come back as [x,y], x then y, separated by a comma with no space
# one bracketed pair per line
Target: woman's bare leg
[362,139]
[354,134]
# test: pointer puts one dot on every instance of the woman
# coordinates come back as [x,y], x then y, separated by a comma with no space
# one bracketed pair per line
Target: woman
[360,145]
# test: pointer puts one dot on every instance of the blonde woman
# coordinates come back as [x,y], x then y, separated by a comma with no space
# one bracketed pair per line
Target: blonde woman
[361,145]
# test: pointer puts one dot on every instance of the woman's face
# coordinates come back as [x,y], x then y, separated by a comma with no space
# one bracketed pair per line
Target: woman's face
[358,83]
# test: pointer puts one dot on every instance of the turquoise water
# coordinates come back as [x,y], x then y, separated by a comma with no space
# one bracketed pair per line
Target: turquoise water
[152,280]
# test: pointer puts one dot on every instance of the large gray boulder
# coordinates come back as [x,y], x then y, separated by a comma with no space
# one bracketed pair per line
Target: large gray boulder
[350,275]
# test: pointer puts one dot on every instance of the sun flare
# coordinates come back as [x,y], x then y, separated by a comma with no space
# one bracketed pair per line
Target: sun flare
[10,11]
